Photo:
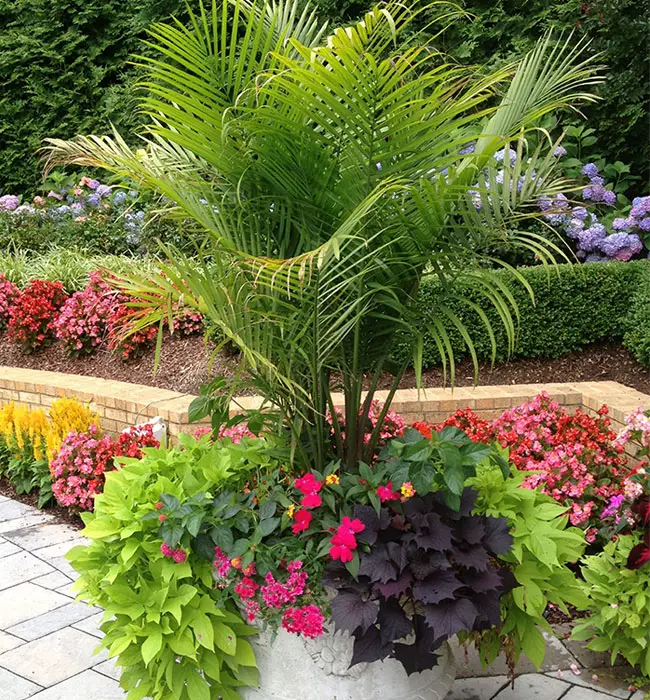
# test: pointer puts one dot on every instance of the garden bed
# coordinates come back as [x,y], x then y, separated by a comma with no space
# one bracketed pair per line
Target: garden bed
[185,367]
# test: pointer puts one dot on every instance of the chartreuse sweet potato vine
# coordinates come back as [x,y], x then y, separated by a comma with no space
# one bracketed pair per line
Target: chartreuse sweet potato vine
[543,546]
[172,633]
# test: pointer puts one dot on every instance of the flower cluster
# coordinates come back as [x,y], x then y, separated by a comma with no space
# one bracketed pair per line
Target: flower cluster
[130,442]
[82,323]
[78,469]
[270,596]
[234,432]
[33,314]
[594,242]
[344,542]
[393,425]
[574,458]
[178,555]
[188,323]
[8,297]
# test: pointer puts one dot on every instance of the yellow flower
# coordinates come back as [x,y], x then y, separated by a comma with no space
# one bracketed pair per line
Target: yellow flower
[407,490]
[332,479]
[290,510]
[67,415]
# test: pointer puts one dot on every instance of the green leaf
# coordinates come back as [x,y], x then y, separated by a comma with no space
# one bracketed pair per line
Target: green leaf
[197,687]
[267,510]
[245,654]
[534,645]
[151,646]
[353,566]
[202,626]
[266,527]
[454,477]
[222,538]
[100,528]
[225,638]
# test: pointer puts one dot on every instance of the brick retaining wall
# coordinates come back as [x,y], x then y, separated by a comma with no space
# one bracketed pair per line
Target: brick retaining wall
[121,404]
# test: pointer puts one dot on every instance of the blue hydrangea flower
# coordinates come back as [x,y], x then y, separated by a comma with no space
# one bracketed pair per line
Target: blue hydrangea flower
[133,194]
[579,213]
[63,209]
[609,198]
[499,156]
[594,258]
[545,202]
[119,197]
[591,237]
[103,190]
[644,224]
[574,228]
[559,151]
[597,180]
[590,170]
[94,199]
[470,148]
[622,223]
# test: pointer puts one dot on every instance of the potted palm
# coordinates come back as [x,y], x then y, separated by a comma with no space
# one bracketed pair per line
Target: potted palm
[327,176]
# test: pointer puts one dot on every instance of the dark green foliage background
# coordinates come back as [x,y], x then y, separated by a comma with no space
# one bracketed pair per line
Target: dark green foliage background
[63,66]
[574,306]
[63,71]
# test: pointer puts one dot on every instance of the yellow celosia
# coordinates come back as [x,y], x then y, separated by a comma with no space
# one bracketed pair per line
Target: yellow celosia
[38,429]
[7,421]
[67,415]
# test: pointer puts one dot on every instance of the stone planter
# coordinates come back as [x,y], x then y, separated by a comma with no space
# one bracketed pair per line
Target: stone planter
[293,668]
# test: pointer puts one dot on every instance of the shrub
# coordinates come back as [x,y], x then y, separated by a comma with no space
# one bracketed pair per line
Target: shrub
[78,468]
[574,306]
[165,621]
[618,600]
[636,323]
[31,323]
[83,321]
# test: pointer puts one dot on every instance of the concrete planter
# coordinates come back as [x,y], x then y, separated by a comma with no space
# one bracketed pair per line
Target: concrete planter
[293,668]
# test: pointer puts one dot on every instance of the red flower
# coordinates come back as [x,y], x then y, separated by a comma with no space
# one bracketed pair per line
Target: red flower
[342,553]
[311,500]
[308,484]
[302,520]
[355,525]
[246,588]
[386,493]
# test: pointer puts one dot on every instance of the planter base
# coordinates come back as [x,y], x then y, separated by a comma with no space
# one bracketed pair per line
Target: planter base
[293,668]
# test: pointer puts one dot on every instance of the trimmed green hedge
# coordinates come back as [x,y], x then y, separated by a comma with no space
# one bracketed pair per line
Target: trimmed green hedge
[637,323]
[575,305]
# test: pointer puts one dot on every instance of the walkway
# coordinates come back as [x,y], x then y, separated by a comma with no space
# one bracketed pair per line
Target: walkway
[47,640]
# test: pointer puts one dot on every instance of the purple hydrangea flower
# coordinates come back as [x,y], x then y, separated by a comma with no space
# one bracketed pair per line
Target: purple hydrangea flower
[103,190]
[594,258]
[559,151]
[622,223]
[94,199]
[119,197]
[644,224]
[470,148]
[574,228]
[545,203]
[621,246]
[597,180]
[591,237]
[63,209]
[609,198]
[590,170]
[9,202]
[499,156]
[640,206]
[579,213]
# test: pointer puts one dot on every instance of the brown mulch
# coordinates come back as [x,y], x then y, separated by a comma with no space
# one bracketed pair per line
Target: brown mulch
[184,367]
[61,514]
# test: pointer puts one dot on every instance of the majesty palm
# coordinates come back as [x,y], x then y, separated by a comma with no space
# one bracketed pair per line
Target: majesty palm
[330,175]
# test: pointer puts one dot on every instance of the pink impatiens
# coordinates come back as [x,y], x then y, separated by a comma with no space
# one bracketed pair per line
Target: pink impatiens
[344,541]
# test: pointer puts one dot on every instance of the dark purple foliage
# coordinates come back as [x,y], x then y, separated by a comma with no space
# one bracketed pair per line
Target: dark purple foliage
[426,574]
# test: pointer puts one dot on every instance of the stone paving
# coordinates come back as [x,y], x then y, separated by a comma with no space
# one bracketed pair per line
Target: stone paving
[47,640]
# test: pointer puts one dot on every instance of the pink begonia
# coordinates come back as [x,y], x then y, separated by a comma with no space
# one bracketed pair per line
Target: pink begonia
[236,432]
[82,323]
[78,468]
[9,294]
[307,620]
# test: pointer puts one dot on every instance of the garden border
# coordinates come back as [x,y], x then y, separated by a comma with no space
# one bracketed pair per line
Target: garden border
[121,404]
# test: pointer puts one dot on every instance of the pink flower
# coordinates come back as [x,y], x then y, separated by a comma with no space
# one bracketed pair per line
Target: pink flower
[311,500]
[386,493]
[246,588]
[302,519]
[308,484]
[179,556]
[166,549]
[341,552]
[307,620]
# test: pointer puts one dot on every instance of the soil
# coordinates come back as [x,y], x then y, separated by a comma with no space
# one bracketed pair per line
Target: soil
[61,514]
[185,366]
